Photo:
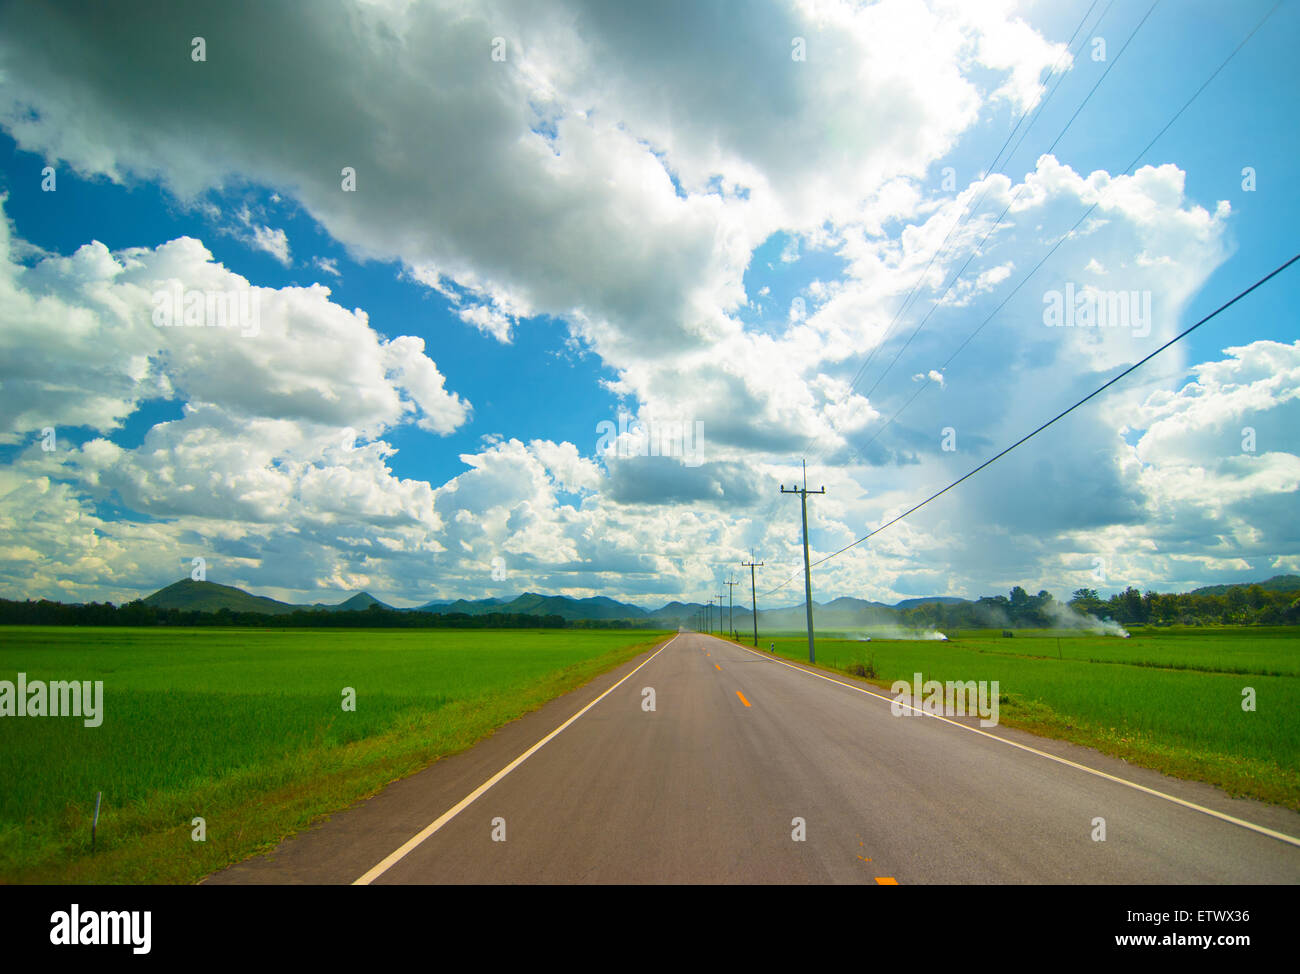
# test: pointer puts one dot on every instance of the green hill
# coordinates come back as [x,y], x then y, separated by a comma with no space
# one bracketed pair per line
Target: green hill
[461,606]
[531,603]
[362,600]
[212,597]
[1278,583]
[598,607]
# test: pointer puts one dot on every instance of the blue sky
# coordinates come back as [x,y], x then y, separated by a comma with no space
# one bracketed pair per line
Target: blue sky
[141,214]
[672,218]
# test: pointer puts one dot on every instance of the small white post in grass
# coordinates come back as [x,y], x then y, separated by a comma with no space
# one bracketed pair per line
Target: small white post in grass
[94,823]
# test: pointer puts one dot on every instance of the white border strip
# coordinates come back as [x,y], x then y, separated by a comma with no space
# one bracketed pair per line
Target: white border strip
[393,858]
[1280,836]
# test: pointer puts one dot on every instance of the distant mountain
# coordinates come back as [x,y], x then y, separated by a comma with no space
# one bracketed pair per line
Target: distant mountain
[846,604]
[846,612]
[472,608]
[533,604]
[193,596]
[843,611]
[1278,583]
[929,600]
[362,600]
[597,607]
[677,614]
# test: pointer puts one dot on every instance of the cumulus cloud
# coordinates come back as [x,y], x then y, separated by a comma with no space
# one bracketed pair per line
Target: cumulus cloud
[266,447]
[87,327]
[1222,443]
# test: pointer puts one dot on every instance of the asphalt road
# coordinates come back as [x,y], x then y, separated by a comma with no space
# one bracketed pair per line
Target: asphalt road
[706,788]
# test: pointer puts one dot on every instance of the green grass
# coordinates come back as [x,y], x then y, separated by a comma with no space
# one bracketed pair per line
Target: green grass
[1169,699]
[246,729]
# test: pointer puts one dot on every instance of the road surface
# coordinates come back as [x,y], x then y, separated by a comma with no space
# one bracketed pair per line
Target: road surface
[754,770]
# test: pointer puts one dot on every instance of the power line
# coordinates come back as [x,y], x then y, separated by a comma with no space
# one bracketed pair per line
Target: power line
[968,213]
[1016,147]
[975,252]
[1068,235]
[1136,365]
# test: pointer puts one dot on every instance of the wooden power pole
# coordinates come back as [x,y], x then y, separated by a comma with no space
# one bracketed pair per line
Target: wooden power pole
[753,599]
[803,493]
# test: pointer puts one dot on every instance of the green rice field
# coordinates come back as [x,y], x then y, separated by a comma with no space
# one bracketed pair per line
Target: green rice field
[246,729]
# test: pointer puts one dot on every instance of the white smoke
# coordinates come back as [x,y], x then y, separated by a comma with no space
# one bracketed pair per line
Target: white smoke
[895,632]
[1067,618]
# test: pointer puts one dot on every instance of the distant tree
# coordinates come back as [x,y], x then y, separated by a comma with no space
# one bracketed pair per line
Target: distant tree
[1086,600]
[1127,606]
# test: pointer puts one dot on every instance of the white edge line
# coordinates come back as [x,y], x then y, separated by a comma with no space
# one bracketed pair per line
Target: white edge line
[389,861]
[1281,836]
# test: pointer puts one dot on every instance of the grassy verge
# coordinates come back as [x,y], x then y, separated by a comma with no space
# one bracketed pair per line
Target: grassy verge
[247,731]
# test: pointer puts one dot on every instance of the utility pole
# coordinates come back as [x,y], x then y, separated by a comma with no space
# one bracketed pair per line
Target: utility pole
[708,619]
[731,605]
[753,599]
[720,613]
[803,493]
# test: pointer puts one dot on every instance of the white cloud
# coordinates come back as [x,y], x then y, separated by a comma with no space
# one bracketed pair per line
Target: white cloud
[1226,436]
[490,321]
[273,242]
[86,324]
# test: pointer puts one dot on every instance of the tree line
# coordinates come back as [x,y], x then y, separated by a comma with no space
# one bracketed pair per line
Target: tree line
[1241,605]
[1245,605]
[139,613]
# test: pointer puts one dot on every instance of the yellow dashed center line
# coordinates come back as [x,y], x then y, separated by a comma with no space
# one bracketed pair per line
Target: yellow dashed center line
[886,881]
[742,698]
[717,667]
